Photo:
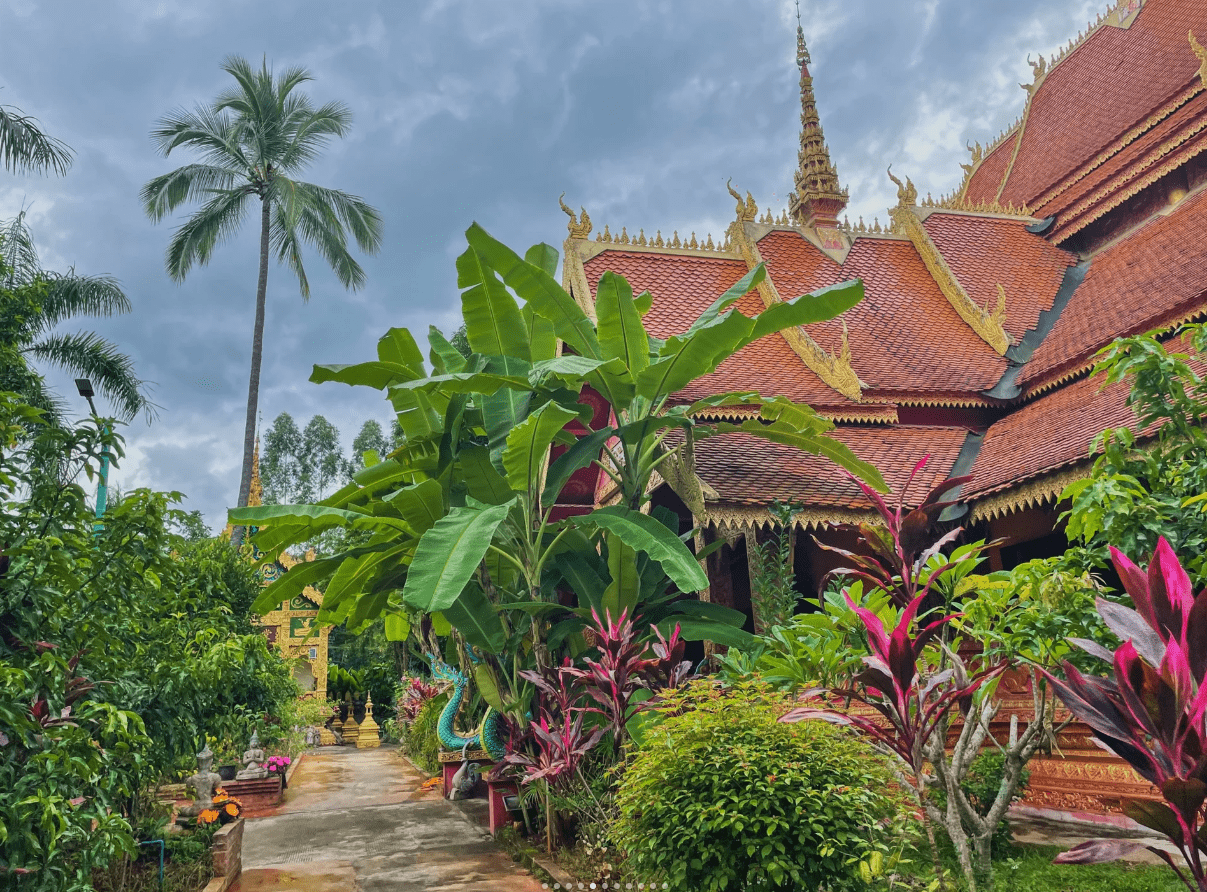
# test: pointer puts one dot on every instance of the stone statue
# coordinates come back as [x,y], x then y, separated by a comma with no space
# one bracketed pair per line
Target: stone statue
[253,768]
[203,784]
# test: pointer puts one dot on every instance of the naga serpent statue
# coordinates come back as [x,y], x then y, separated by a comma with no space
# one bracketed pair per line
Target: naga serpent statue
[488,735]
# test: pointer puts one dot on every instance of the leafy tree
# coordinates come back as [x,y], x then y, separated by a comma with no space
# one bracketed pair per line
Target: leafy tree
[460,518]
[24,148]
[323,460]
[370,439]
[33,302]
[1150,482]
[191,527]
[253,139]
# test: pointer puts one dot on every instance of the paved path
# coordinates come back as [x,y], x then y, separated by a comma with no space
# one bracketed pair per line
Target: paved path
[357,820]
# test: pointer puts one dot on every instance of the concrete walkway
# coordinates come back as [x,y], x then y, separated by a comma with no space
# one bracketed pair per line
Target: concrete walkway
[357,820]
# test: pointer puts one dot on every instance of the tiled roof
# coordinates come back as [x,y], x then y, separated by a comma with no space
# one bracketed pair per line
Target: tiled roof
[1182,135]
[1111,82]
[985,252]
[904,335]
[1153,276]
[748,470]
[988,176]
[1054,431]
[682,287]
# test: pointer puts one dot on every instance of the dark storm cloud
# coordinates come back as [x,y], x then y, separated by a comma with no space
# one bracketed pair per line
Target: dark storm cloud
[470,110]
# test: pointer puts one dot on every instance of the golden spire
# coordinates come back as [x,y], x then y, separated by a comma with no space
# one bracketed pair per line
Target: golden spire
[817,199]
[255,493]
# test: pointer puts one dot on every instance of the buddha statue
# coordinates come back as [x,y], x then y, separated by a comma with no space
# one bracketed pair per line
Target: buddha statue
[253,761]
[203,784]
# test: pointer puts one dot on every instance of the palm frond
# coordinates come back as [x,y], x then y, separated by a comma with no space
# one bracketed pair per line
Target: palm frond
[353,212]
[311,130]
[69,295]
[206,129]
[88,355]
[193,182]
[26,149]
[216,221]
[284,239]
[18,253]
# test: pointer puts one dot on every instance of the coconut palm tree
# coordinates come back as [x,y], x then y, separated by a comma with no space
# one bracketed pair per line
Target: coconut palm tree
[252,141]
[33,302]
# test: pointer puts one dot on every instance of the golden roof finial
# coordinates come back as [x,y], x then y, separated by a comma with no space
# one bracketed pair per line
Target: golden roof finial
[747,210]
[1202,56]
[907,194]
[580,227]
[817,197]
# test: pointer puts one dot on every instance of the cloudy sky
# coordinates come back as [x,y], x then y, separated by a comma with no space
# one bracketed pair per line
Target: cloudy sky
[466,110]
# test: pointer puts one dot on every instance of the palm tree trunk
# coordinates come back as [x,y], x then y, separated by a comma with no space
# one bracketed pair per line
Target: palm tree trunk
[253,386]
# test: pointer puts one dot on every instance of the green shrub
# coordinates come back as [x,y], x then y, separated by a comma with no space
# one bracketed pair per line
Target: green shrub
[420,740]
[723,796]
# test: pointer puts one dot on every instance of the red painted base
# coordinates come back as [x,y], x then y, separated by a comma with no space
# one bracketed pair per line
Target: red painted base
[495,791]
[450,762]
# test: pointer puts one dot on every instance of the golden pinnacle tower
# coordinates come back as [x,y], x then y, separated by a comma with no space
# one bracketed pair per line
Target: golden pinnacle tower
[817,198]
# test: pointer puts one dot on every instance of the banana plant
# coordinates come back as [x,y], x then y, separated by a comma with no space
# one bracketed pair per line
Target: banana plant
[458,521]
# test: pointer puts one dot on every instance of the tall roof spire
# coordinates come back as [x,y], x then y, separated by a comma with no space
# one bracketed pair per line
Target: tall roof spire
[817,198]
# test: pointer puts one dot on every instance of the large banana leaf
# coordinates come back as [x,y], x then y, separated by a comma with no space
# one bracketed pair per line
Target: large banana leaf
[584,451]
[506,408]
[625,586]
[621,334]
[468,382]
[475,617]
[528,443]
[493,322]
[398,627]
[542,338]
[583,577]
[310,520]
[354,575]
[377,375]
[421,505]
[448,554]
[544,257]
[684,359]
[540,291]
[643,533]
[818,306]
[693,628]
[482,481]
[717,613]
[291,584]
[398,346]
[445,358]
[740,288]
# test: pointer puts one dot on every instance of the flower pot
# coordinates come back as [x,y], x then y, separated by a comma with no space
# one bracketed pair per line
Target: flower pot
[228,772]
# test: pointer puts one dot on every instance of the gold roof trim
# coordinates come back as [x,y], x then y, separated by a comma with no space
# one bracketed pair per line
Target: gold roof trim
[835,371]
[733,518]
[1034,493]
[1201,53]
[988,324]
[574,276]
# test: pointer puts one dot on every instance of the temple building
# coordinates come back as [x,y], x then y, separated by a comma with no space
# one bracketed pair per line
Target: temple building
[292,627]
[1084,221]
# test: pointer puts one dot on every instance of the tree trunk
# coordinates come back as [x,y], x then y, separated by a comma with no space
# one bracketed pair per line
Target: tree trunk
[253,385]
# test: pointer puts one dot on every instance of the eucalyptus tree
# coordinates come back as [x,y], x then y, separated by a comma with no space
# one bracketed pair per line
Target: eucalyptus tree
[459,521]
[253,140]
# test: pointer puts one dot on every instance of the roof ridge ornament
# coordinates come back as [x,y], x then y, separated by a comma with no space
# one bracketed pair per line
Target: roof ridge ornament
[580,227]
[907,193]
[1201,53]
[747,211]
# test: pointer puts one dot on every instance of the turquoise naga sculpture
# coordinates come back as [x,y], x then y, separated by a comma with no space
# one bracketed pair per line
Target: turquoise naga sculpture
[488,735]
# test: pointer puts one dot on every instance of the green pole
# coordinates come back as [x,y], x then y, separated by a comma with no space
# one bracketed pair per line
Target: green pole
[102,487]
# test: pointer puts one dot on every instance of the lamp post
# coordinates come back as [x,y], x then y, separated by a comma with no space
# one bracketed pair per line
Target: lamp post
[84,386]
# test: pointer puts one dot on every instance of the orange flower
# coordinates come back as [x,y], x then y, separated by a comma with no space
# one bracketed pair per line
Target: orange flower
[208,816]
[232,809]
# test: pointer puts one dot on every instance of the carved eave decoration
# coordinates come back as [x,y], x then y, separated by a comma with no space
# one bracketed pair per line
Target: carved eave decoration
[988,324]
[1038,492]
[732,519]
[835,371]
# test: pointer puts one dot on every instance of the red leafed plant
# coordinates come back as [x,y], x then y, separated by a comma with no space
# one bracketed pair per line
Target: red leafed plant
[415,693]
[1151,709]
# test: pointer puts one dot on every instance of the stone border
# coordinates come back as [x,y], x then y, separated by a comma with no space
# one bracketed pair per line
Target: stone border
[227,852]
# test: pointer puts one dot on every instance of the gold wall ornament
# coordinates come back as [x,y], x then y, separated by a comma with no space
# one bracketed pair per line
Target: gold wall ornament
[1201,53]
[999,312]
[580,227]
[605,236]
[981,321]
[624,235]
[834,371]
[1038,69]
[907,193]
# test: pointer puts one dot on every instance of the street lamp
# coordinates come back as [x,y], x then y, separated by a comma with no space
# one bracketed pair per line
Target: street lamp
[84,386]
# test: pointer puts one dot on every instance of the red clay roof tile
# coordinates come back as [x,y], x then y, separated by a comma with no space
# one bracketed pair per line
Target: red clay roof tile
[748,470]
[987,178]
[1152,275]
[984,252]
[1108,84]
[682,287]
[904,335]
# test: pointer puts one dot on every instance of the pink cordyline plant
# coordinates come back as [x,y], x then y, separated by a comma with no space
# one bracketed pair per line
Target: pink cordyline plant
[1151,710]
